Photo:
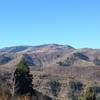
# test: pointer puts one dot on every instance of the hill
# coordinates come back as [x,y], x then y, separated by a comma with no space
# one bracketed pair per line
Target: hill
[53,62]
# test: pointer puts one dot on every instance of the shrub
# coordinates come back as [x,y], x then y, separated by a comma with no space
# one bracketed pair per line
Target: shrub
[96,61]
[76,85]
[89,94]
[55,87]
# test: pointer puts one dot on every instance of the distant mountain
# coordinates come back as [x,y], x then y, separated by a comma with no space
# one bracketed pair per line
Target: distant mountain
[46,47]
[49,55]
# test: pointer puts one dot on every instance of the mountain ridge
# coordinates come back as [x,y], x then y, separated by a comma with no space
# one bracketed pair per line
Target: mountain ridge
[49,55]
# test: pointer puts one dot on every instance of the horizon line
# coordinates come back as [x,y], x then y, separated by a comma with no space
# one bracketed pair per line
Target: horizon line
[44,44]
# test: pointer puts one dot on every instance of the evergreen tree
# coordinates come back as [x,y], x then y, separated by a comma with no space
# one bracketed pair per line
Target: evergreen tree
[22,79]
[89,94]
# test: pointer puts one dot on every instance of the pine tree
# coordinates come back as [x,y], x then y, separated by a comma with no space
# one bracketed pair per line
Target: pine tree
[22,79]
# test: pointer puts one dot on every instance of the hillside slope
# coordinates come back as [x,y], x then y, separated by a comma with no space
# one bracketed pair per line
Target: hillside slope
[49,55]
[53,62]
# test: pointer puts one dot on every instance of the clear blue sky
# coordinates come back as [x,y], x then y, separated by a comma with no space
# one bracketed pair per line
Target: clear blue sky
[34,22]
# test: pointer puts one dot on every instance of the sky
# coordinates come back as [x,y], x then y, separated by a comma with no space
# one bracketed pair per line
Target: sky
[36,22]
